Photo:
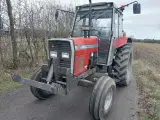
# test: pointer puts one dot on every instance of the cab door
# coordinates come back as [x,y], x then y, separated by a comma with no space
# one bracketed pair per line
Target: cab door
[104,40]
[116,35]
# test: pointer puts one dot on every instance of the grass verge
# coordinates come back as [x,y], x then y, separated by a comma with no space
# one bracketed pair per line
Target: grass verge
[7,84]
[148,81]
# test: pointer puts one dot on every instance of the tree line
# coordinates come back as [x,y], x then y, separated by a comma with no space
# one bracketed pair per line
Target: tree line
[26,26]
[147,41]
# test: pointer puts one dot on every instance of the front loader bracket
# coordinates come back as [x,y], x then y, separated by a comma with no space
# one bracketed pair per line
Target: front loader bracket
[56,86]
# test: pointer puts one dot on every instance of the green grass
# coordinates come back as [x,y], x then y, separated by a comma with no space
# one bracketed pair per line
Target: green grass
[6,83]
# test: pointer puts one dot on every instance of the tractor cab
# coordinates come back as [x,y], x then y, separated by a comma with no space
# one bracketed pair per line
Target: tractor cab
[101,20]
[105,21]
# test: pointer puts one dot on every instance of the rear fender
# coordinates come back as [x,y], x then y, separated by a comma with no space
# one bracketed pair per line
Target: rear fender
[122,40]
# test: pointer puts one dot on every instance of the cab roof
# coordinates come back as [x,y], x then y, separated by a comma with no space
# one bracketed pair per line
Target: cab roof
[97,5]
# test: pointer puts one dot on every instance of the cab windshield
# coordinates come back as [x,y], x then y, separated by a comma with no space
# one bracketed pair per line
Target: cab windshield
[101,23]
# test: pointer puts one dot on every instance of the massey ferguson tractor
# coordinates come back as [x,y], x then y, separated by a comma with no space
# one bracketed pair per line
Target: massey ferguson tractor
[97,53]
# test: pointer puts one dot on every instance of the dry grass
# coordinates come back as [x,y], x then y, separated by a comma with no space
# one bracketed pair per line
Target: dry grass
[147,73]
[149,53]
[6,82]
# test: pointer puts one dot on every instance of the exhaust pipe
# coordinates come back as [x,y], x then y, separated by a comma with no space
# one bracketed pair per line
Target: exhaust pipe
[90,17]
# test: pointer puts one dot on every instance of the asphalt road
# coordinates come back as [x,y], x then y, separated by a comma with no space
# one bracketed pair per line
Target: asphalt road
[21,105]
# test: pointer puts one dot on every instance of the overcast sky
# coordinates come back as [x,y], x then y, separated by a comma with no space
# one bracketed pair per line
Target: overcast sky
[145,25]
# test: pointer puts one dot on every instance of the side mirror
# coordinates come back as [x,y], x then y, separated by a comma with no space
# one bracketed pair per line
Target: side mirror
[56,15]
[136,8]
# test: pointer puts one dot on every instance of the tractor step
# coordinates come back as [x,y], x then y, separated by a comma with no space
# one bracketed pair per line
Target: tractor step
[54,87]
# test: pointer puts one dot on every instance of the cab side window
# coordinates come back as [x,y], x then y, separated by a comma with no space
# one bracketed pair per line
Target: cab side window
[117,24]
[120,25]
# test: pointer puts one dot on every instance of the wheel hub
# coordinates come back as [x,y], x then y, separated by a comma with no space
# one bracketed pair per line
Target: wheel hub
[108,100]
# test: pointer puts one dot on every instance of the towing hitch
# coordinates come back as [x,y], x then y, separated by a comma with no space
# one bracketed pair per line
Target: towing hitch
[57,86]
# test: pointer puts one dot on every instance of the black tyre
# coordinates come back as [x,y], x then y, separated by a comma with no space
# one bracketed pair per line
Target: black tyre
[38,93]
[104,87]
[122,65]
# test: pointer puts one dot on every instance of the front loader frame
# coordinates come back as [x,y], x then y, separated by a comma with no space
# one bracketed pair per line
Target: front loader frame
[57,87]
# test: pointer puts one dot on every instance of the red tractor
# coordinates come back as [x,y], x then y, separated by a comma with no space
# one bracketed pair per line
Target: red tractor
[97,53]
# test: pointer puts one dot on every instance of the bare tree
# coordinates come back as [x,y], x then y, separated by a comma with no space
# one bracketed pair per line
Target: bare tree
[13,39]
[1,52]
[1,27]
[31,24]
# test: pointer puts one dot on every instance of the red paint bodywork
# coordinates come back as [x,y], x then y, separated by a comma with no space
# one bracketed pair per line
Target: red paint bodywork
[82,56]
[122,40]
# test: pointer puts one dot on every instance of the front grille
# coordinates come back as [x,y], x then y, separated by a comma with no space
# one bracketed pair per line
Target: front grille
[61,46]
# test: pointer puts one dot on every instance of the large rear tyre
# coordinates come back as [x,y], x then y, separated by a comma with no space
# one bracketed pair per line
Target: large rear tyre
[102,98]
[122,65]
[39,93]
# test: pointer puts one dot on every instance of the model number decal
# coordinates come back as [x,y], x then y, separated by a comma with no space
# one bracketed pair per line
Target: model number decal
[82,47]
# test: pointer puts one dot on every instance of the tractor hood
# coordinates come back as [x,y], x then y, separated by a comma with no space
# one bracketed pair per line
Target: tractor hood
[84,47]
[79,40]
[85,41]
[78,50]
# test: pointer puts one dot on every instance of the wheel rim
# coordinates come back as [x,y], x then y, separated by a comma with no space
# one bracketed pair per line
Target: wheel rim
[108,100]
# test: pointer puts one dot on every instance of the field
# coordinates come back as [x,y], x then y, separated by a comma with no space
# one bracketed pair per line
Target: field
[146,70]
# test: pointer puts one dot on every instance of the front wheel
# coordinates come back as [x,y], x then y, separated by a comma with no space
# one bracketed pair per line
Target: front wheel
[39,93]
[102,98]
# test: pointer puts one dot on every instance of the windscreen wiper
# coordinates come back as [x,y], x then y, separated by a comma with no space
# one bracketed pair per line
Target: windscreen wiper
[100,15]
[85,15]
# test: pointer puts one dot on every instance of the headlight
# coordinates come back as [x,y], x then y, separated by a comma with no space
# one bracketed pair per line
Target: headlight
[65,55]
[53,54]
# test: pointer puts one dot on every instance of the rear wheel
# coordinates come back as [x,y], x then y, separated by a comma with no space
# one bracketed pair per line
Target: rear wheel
[39,93]
[102,98]
[122,65]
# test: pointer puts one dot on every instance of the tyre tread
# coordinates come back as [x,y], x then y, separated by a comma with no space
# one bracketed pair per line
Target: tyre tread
[120,63]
